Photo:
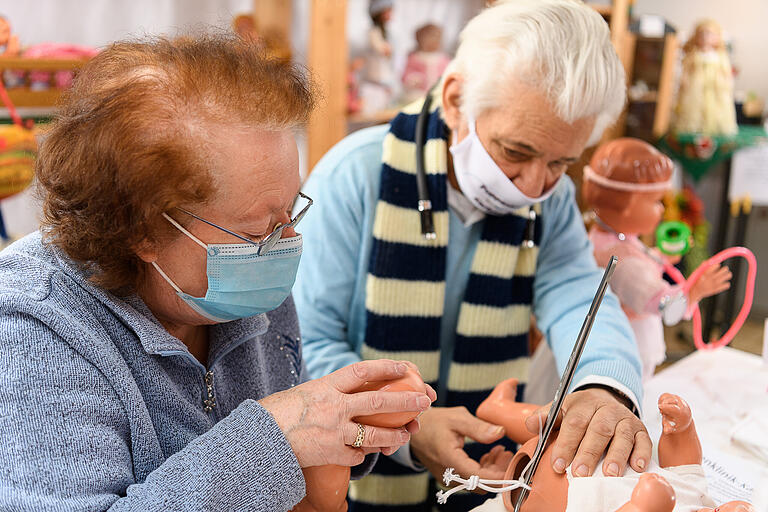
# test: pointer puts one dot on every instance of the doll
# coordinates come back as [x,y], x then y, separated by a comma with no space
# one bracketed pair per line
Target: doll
[678,479]
[705,99]
[426,64]
[327,485]
[9,43]
[379,77]
[624,186]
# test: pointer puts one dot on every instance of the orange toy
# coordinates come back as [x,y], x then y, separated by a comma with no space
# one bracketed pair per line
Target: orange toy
[327,485]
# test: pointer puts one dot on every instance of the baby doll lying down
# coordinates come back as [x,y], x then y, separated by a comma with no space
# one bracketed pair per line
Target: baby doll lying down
[675,483]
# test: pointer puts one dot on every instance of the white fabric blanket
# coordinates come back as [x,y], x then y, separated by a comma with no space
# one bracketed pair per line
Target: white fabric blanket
[600,493]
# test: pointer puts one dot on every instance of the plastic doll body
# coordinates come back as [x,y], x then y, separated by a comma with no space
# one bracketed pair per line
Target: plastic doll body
[326,486]
[679,444]
[651,494]
[624,185]
[549,490]
[9,42]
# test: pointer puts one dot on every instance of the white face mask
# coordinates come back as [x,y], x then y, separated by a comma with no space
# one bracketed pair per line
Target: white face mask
[483,182]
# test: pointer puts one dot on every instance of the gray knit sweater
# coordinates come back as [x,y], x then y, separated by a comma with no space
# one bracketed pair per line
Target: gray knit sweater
[102,409]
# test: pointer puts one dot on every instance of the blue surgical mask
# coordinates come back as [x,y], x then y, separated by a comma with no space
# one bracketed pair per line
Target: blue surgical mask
[240,282]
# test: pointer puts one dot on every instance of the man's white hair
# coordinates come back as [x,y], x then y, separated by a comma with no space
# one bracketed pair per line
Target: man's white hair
[563,47]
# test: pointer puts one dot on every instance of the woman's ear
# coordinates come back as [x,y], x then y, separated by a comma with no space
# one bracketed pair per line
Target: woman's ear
[451,96]
[146,251]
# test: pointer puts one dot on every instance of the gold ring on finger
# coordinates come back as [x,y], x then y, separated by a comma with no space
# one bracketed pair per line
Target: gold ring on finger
[360,436]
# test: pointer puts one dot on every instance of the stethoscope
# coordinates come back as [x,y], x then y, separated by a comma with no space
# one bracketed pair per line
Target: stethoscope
[424,204]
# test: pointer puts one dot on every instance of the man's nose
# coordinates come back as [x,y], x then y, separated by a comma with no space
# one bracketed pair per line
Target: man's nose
[532,180]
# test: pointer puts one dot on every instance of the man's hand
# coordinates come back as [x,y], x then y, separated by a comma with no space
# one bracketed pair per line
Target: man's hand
[440,443]
[591,421]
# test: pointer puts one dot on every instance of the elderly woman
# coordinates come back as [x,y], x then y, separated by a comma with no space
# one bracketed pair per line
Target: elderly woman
[149,349]
[533,83]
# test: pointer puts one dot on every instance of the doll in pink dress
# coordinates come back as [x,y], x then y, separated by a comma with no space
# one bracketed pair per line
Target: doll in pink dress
[624,185]
[426,64]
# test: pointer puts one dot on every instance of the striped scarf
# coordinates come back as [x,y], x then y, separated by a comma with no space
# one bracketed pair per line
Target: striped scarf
[405,294]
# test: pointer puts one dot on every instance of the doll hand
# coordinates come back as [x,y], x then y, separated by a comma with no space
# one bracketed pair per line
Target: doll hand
[713,281]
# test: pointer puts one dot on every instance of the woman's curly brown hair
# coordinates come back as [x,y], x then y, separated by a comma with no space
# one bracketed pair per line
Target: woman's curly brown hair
[129,142]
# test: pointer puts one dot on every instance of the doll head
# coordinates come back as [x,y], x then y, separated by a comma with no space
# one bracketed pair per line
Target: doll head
[625,183]
[429,38]
[707,36]
[245,27]
[5,31]
[380,11]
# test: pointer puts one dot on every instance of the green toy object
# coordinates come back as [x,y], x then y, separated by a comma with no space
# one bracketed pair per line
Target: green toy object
[673,238]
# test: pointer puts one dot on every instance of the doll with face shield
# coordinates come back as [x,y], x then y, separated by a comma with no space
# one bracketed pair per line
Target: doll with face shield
[624,185]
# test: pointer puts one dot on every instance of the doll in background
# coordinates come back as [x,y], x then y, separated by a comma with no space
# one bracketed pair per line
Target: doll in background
[624,185]
[705,99]
[376,89]
[426,64]
[9,43]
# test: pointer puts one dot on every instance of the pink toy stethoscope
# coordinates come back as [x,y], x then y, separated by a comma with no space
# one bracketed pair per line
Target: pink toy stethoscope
[687,284]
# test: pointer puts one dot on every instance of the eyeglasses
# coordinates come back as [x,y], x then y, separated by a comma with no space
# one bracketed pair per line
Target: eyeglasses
[271,239]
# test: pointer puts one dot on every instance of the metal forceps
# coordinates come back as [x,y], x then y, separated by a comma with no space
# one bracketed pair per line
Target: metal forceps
[565,382]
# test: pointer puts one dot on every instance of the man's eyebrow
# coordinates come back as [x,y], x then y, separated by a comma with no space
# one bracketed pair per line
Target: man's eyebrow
[520,145]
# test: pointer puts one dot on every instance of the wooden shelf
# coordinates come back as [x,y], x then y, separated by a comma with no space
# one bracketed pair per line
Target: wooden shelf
[34,64]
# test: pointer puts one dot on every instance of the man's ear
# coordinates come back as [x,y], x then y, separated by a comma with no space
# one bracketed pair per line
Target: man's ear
[451,96]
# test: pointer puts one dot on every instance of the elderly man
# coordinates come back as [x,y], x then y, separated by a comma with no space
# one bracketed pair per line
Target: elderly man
[533,83]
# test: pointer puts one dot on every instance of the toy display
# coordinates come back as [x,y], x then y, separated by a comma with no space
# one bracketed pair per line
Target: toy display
[327,485]
[677,481]
[377,86]
[426,64]
[42,80]
[624,186]
[705,101]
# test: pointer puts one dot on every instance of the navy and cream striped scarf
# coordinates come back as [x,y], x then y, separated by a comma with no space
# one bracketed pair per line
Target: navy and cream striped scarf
[405,293]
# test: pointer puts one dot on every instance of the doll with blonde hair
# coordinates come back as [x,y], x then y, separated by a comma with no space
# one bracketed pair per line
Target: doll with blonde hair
[705,99]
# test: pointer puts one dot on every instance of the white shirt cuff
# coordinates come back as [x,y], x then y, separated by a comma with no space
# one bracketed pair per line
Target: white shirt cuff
[611,383]
[404,457]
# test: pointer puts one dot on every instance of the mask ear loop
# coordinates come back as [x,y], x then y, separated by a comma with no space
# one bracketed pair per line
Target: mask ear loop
[183,230]
[190,235]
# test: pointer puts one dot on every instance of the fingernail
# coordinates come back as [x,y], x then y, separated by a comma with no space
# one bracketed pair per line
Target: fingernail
[613,469]
[559,465]
[424,402]
[495,430]
[404,437]
[402,368]
[582,470]
[640,463]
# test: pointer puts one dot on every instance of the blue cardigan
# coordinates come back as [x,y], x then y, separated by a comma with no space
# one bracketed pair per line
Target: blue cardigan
[102,409]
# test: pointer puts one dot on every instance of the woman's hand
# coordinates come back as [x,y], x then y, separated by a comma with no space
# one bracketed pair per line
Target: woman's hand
[317,416]
[591,422]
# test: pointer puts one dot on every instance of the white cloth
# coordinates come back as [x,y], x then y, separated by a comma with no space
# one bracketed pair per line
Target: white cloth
[600,493]
[649,333]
